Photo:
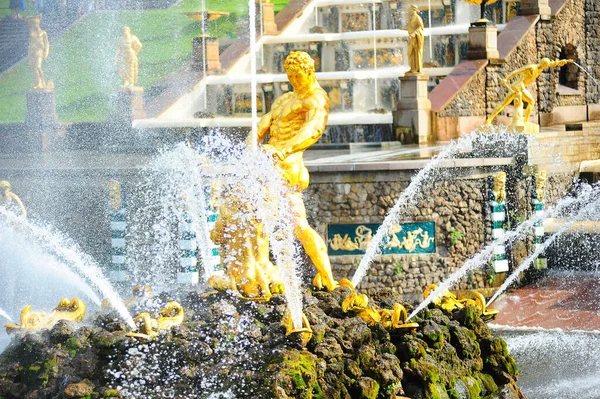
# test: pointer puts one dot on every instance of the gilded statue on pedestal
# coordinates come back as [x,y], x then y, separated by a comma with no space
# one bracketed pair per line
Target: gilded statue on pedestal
[127,57]
[297,121]
[517,90]
[38,51]
[10,200]
[416,41]
[540,185]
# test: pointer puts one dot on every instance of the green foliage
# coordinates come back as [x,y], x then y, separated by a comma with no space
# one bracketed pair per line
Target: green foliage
[72,346]
[399,267]
[112,393]
[81,62]
[456,236]
[491,274]
[390,389]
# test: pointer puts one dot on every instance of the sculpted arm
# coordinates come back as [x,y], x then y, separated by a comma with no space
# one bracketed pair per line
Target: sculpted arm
[263,128]
[311,130]
[18,201]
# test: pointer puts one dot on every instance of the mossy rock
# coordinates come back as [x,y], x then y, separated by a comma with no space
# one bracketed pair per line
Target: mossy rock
[411,347]
[365,388]
[436,391]
[487,383]
[426,369]
[299,368]
[473,387]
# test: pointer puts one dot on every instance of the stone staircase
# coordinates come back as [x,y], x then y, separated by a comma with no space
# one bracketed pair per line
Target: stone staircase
[14,38]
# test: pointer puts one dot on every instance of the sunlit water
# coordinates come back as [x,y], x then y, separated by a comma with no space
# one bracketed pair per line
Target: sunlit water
[556,364]
[583,214]
[63,249]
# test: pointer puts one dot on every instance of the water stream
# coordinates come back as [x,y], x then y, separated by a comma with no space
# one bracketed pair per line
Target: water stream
[583,214]
[6,316]
[60,247]
[484,255]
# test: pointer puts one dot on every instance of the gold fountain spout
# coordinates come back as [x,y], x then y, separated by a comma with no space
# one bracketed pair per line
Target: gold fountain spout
[390,319]
[171,315]
[73,310]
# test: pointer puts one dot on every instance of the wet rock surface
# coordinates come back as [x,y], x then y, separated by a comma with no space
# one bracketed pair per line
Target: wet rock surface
[228,347]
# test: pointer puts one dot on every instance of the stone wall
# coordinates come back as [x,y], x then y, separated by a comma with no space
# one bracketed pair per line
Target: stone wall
[574,33]
[459,208]
[592,46]
[468,102]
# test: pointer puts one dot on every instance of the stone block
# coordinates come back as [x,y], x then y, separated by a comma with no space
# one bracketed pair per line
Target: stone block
[593,112]
[212,58]
[536,7]
[414,109]
[569,113]
[483,42]
[268,15]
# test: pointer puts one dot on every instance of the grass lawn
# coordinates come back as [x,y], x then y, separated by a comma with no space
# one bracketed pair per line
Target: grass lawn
[5,11]
[81,62]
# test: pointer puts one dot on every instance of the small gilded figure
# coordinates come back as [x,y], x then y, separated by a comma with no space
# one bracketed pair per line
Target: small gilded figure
[38,51]
[297,121]
[127,57]
[517,90]
[10,200]
[416,40]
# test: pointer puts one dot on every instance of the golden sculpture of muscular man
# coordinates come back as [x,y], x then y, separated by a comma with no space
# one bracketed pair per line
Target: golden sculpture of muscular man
[9,199]
[518,89]
[297,121]
[38,51]
[127,57]
[416,41]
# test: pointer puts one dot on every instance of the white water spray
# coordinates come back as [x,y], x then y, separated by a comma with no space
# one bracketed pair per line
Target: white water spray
[6,316]
[486,253]
[582,214]
[62,248]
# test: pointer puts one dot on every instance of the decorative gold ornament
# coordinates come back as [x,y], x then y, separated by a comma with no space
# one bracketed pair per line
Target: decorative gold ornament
[149,328]
[303,334]
[540,185]
[449,302]
[390,319]
[499,190]
[73,310]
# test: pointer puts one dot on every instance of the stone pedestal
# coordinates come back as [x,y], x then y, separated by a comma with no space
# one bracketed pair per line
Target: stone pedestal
[414,110]
[41,108]
[212,59]
[483,41]
[535,7]
[268,18]
[130,104]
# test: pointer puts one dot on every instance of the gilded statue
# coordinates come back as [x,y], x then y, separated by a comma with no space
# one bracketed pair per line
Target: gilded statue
[73,310]
[297,121]
[302,334]
[499,190]
[148,328]
[244,250]
[127,57]
[449,302]
[540,185]
[416,41]
[10,200]
[38,51]
[517,89]
[390,319]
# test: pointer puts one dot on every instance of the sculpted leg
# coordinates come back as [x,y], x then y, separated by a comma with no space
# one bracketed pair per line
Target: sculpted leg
[527,97]
[313,243]
[500,107]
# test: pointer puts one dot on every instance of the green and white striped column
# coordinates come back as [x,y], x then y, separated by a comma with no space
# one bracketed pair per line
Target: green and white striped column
[188,250]
[538,210]
[498,218]
[118,227]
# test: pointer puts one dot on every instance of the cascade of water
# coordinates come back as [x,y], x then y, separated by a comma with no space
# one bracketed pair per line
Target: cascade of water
[498,139]
[252,17]
[6,316]
[62,248]
[485,254]
[582,214]
[37,263]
